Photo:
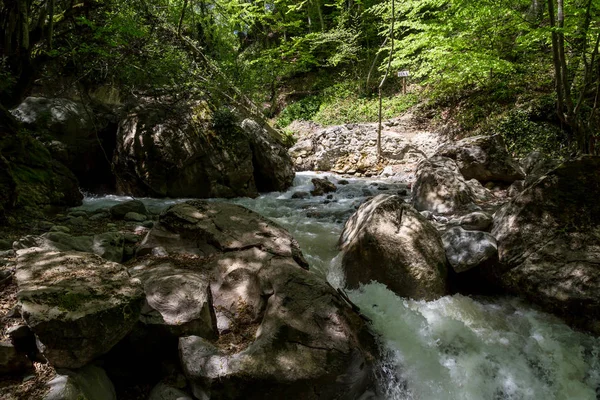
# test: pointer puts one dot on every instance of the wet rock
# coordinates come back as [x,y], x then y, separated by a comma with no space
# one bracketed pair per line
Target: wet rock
[548,242]
[440,187]
[165,392]
[388,241]
[343,182]
[476,221]
[89,383]
[484,158]
[322,186]
[300,195]
[134,206]
[77,304]
[468,249]
[13,362]
[134,217]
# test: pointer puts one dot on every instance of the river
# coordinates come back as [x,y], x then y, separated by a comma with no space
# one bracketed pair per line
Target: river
[454,348]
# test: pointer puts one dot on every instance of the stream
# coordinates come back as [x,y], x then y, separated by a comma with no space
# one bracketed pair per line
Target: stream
[456,347]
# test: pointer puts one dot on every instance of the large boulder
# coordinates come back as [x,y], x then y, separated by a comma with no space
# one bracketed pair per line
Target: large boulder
[273,167]
[484,158]
[549,242]
[388,241]
[29,177]
[283,331]
[306,343]
[13,362]
[440,187]
[77,304]
[187,150]
[76,135]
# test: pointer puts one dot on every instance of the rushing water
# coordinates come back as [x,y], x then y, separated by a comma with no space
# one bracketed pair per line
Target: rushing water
[454,348]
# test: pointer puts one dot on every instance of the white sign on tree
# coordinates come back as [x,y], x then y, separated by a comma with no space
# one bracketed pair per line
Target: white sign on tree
[403,74]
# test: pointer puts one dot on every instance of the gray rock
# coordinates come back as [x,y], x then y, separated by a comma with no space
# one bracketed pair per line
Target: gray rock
[476,221]
[440,187]
[120,210]
[388,241]
[273,167]
[134,217]
[165,392]
[230,227]
[292,335]
[516,188]
[107,245]
[468,249]
[87,383]
[177,299]
[308,343]
[179,158]
[549,243]
[300,195]
[13,362]
[322,186]
[77,304]
[480,192]
[484,158]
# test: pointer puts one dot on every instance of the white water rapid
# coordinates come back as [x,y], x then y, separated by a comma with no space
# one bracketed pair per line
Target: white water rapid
[454,348]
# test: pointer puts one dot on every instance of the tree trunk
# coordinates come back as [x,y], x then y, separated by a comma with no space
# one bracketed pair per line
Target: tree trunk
[387,71]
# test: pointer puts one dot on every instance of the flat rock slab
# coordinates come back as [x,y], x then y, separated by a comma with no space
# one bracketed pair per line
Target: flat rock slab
[204,228]
[88,383]
[77,304]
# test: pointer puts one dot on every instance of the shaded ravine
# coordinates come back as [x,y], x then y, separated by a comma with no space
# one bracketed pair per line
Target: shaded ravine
[454,348]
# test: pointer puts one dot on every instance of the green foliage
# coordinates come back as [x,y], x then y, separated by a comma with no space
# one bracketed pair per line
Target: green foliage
[304,110]
[523,135]
[342,105]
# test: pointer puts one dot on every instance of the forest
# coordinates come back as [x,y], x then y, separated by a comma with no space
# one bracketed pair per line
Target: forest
[299,199]
[529,66]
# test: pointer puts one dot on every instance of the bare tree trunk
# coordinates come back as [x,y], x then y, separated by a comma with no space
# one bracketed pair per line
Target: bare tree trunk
[387,71]
[182,17]
[557,64]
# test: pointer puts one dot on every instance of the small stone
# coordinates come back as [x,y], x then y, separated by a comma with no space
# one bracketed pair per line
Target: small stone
[300,195]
